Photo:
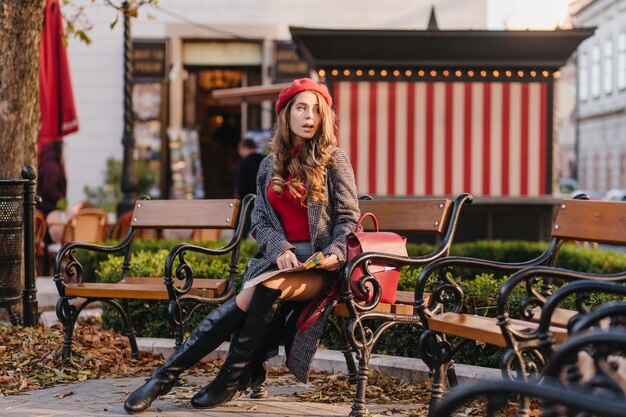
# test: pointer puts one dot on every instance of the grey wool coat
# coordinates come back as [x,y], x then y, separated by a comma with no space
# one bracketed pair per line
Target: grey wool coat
[329,225]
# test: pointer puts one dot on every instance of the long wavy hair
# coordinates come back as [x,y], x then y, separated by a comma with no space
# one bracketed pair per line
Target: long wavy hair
[308,166]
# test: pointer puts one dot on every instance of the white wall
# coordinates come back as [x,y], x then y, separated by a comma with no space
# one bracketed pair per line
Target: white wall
[97,68]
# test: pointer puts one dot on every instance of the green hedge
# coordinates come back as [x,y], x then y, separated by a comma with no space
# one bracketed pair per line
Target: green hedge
[150,317]
[148,260]
[90,260]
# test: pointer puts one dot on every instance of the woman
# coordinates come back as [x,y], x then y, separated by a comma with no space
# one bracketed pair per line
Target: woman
[306,202]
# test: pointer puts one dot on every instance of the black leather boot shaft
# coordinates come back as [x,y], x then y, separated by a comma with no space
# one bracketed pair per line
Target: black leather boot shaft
[216,327]
[232,377]
[255,374]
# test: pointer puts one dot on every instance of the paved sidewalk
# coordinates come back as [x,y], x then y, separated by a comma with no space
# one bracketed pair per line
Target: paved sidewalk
[105,397]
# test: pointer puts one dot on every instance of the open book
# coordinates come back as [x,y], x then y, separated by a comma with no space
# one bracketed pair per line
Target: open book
[312,262]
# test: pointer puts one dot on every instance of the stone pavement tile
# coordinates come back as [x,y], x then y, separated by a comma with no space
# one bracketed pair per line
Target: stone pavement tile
[89,398]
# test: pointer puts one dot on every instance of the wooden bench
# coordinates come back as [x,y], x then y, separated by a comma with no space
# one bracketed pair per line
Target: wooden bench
[76,291]
[576,220]
[585,375]
[530,348]
[362,323]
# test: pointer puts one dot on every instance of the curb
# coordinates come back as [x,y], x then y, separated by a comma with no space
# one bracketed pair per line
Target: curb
[332,361]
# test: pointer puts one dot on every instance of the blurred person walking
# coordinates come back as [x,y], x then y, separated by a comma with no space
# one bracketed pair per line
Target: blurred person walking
[246,173]
[52,182]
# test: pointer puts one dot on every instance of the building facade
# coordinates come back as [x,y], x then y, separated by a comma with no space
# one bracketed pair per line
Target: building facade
[209,45]
[601,101]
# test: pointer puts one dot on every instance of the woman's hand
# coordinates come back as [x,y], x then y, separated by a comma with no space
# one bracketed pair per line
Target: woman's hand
[330,263]
[287,259]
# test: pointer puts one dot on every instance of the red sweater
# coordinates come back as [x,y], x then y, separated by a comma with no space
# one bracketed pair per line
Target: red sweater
[293,215]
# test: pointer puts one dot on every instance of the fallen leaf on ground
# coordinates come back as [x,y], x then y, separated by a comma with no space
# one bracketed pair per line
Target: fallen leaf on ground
[62,395]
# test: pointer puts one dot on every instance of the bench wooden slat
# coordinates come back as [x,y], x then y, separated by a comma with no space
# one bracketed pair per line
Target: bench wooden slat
[483,329]
[560,316]
[403,305]
[340,309]
[218,285]
[116,290]
[186,214]
[143,288]
[419,216]
[405,297]
[130,291]
[594,221]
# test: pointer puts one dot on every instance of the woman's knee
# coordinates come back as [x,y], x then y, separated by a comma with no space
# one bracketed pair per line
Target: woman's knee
[243,298]
[296,286]
[274,284]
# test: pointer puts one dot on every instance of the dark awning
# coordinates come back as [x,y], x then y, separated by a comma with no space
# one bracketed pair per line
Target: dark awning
[347,48]
[254,94]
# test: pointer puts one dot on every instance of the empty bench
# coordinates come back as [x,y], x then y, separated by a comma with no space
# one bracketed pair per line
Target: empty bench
[584,375]
[76,291]
[576,220]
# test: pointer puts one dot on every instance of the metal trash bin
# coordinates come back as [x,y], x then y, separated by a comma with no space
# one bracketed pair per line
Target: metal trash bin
[11,242]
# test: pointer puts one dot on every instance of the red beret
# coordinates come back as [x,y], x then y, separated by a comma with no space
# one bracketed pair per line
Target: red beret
[298,86]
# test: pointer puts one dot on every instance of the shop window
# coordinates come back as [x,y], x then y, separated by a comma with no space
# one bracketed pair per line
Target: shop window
[621,60]
[583,81]
[595,71]
[608,67]
[149,114]
[622,170]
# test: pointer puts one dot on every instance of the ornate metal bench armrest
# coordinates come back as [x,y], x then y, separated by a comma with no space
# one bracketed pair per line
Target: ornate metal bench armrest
[447,284]
[176,267]
[73,268]
[361,263]
[538,280]
[613,310]
[572,359]
[184,272]
[540,341]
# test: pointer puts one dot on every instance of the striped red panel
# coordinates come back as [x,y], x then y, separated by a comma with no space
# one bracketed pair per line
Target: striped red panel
[421,138]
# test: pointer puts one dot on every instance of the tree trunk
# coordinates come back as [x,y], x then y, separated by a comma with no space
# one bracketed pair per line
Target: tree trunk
[21,23]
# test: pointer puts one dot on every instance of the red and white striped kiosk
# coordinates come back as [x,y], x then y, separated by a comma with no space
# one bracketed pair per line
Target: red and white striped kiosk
[439,112]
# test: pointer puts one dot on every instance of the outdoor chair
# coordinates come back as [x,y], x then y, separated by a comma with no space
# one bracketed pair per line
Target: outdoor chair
[87,225]
[122,225]
[205,235]
[41,266]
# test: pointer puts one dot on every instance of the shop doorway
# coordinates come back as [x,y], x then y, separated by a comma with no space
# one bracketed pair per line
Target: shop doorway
[220,127]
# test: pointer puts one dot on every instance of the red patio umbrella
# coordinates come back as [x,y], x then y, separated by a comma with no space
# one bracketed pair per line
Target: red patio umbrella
[56,99]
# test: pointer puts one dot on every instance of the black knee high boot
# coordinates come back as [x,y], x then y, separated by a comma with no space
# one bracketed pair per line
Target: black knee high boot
[233,375]
[255,372]
[216,327]
[253,379]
